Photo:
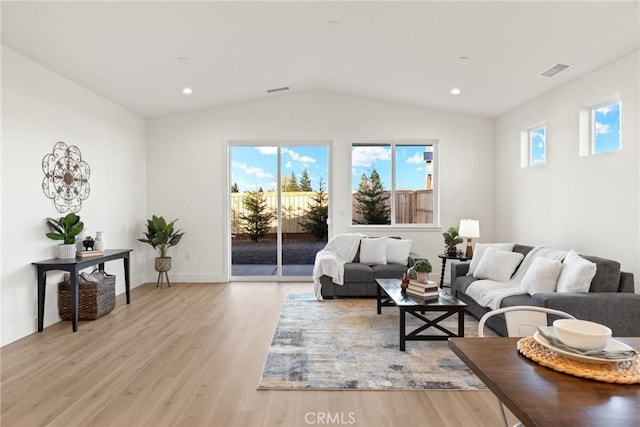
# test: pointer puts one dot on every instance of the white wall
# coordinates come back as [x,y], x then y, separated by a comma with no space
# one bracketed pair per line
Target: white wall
[40,108]
[587,203]
[188,174]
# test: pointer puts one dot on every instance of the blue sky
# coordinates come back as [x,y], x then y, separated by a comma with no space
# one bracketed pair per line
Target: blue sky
[607,128]
[538,145]
[253,167]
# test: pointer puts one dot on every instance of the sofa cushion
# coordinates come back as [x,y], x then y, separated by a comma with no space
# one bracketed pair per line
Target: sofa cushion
[389,271]
[373,251]
[478,252]
[542,276]
[357,273]
[576,274]
[515,300]
[398,251]
[607,278]
[463,282]
[497,265]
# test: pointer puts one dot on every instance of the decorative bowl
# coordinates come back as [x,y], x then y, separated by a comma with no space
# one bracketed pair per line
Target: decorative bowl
[582,334]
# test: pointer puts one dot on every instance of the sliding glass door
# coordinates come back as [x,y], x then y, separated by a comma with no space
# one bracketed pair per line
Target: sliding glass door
[279,208]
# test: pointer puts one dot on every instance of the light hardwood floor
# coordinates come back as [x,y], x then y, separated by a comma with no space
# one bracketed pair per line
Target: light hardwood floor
[192,355]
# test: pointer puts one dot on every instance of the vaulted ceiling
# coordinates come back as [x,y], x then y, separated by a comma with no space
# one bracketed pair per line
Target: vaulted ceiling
[142,54]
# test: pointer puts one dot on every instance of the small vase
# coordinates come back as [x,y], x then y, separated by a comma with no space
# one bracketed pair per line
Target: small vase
[422,277]
[67,251]
[99,242]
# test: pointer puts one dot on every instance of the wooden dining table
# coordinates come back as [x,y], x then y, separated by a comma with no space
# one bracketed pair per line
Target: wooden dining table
[540,396]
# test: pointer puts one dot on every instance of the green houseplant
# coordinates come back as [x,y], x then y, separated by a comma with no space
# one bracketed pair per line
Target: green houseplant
[422,268]
[67,229]
[161,235]
[451,239]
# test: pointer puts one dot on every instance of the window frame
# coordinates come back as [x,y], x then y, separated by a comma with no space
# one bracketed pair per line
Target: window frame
[526,145]
[587,124]
[435,182]
[592,125]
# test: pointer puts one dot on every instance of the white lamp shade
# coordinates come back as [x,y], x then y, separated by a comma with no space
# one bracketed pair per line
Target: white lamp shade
[469,228]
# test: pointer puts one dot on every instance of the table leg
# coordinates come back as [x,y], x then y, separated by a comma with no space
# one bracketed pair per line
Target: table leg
[127,279]
[402,329]
[42,286]
[379,295]
[444,265]
[74,299]
[461,322]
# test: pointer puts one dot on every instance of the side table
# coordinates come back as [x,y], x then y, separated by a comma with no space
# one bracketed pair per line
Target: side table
[444,258]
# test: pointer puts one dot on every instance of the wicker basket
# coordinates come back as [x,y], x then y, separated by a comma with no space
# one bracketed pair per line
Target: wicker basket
[96,296]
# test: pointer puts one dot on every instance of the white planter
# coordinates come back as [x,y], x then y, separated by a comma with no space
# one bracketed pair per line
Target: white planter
[422,277]
[67,251]
[100,242]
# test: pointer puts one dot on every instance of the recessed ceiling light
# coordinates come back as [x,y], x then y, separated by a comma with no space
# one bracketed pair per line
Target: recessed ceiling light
[455,91]
[464,58]
[187,91]
[182,58]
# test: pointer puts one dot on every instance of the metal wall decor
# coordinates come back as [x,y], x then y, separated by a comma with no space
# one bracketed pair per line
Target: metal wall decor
[66,177]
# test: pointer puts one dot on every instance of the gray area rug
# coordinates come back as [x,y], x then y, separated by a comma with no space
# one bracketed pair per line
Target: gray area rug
[343,344]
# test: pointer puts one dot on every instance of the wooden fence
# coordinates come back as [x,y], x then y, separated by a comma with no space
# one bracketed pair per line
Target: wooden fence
[412,207]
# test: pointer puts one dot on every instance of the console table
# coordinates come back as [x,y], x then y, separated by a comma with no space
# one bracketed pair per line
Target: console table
[73,266]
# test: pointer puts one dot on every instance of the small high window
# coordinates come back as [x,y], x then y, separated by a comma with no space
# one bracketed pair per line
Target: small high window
[600,127]
[533,146]
[605,131]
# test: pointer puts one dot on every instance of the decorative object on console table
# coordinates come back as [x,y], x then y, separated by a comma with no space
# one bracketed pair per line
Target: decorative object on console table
[66,229]
[469,228]
[96,295]
[451,239]
[88,243]
[87,254]
[161,236]
[101,242]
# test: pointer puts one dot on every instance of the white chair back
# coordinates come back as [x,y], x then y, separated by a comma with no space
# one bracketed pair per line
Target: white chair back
[522,320]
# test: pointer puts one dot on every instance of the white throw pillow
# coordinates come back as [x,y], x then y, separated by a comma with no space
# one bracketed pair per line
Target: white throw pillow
[497,265]
[542,276]
[576,275]
[373,251]
[479,251]
[398,251]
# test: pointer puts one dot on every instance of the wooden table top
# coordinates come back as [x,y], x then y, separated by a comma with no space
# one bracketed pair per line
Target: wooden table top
[540,396]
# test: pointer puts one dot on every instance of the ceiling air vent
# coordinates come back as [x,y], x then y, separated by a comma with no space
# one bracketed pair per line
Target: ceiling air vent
[553,70]
[278,89]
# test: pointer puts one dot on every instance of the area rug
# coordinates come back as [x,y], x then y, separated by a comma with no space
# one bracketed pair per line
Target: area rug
[343,344]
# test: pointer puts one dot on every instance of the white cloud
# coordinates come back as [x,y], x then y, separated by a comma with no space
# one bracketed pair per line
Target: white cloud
[252,170]
[367,156]
[602,128]
[416,158]
[288,165]
[267,150]
[305,160]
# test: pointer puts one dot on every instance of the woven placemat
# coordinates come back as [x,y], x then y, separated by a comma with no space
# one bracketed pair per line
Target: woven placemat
[627,372]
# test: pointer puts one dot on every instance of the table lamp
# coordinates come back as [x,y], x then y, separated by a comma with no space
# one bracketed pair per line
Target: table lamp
[469,228]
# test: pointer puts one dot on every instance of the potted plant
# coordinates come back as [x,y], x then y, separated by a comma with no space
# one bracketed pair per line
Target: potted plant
[161,236]
[67,228]
[422,268]
[451,239]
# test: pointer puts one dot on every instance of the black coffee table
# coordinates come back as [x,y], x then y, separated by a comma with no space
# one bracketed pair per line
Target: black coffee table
[390,294]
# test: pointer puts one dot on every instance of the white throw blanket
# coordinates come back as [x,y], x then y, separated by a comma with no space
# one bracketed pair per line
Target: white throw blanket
[330,260]
[490,293]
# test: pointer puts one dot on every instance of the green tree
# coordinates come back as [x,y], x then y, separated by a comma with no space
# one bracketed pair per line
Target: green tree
[305,182]
[234,188]
[370,200]
[315,217]
[290,183]
[257,220]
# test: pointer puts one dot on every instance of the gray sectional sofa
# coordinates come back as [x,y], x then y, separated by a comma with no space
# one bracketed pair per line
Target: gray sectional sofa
[610,301]
[360,279]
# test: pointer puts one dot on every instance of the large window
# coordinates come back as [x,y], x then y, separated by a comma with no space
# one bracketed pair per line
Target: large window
[394,182]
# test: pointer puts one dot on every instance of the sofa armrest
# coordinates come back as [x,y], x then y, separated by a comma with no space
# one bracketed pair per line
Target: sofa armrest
[458,269]
[620,311]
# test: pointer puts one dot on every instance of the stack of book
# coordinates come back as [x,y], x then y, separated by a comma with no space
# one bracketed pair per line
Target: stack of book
[86,254]
[426,291]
